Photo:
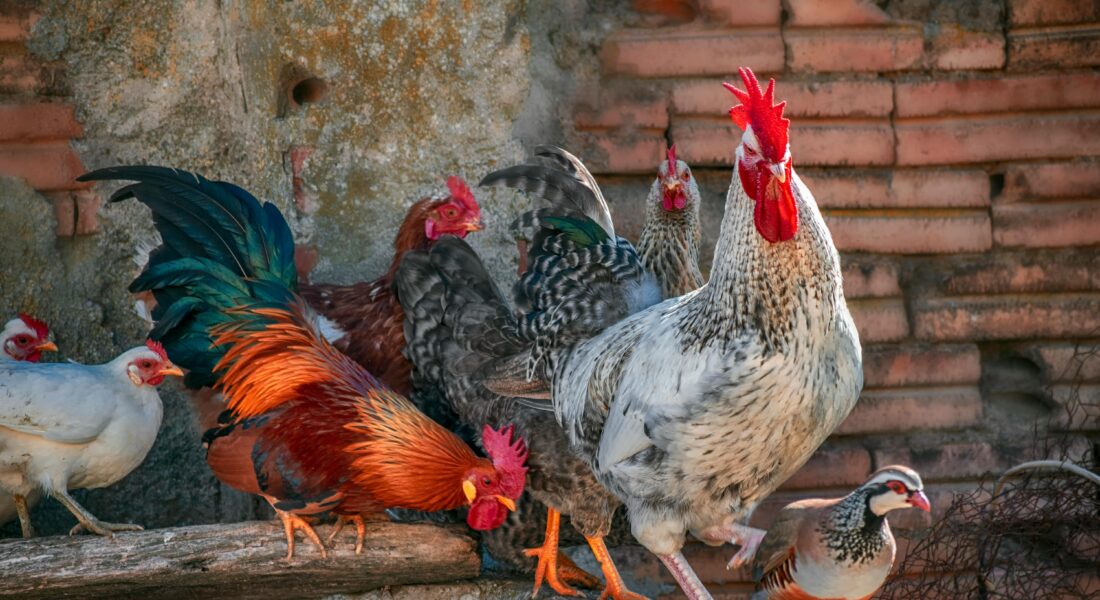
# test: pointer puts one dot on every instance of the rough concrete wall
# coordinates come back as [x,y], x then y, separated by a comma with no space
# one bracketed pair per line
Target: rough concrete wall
[417,91]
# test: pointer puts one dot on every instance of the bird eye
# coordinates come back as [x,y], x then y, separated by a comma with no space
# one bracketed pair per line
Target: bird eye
[686,175]
[146,364]
[486,481]
[22,340]
[897,487]
[450,213]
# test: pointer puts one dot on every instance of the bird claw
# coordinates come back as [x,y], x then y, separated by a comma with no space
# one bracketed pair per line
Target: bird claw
[104,528]
[557,577]
[749,543]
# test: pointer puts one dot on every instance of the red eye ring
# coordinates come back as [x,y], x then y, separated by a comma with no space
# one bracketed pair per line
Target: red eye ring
[22,340]
[897,487]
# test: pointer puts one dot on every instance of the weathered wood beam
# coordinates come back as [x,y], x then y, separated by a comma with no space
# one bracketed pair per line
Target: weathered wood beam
[240,560]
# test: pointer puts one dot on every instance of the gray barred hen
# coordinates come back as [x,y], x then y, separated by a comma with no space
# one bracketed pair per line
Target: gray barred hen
[695,410]
[669,242]
[461,333]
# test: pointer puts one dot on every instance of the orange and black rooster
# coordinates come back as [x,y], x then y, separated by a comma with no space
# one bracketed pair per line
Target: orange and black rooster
[309,428]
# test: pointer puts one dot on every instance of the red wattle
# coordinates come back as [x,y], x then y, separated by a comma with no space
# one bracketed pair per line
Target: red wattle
[775,214]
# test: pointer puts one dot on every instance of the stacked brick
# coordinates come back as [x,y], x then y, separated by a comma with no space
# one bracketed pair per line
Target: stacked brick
[37,124]
[958,166]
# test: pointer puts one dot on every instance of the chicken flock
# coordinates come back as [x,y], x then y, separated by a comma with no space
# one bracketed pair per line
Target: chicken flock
[614,377]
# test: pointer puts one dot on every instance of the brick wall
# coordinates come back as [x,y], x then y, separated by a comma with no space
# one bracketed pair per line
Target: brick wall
[955,153]
[37,123]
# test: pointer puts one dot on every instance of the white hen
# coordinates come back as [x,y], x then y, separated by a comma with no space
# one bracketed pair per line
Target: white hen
[68,426]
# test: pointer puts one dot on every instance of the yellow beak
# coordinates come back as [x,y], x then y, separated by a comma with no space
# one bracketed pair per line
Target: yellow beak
[507,502]
[473,226]
[172,370]
[780,172]
[470,491]
[46,347]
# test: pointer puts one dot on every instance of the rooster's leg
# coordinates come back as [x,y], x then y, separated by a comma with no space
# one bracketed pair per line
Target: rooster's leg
[360,530]
[616,589]
[87,521]
[293,522]
[685,576]
[749,539]
[24,516]
[548,568]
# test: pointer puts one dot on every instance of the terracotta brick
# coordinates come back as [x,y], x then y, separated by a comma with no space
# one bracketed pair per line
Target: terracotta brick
[666,11]
[910,232]
[1047,225]
[837,12]
[1084,398]
[45,166]
[998,94]
[906,410]
[64,212]
[951,462]
[894,49]
[1059,48]
[879,320]
[1017,272]
[18,75]
[26,122]
[955,48]
[658,53]
[742,12]
[631,152]
[305,259]
[869,278]
[1052,12]
[830,467]
[983,139]
[15,25]
[920,365]
[1005,317]
[711,142]
[804,98]
[1067,361]
[87,211]
[842,143]
[1074,179]
[643,114]
[922,188]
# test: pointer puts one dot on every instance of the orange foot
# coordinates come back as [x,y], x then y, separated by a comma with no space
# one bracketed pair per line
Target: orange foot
[293,522]
[556,568]
[360,530]
[615,589]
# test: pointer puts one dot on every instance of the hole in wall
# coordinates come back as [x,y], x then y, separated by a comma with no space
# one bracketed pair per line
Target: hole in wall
[297,88]
[308,91]
[996,184]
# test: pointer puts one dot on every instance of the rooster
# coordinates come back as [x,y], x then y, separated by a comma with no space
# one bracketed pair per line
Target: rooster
[693,411]
[66,426]
[364,320]
[669,242]
[309,429]
[452,348]
[25,338]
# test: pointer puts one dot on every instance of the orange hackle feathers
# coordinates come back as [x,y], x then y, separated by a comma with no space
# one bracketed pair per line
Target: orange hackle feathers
[268,367]
[406,459]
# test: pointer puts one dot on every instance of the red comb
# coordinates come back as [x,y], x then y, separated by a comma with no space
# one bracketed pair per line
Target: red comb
[508,458]
[672,160]
[756,110]
[39,326]
[461,192]
[158,348]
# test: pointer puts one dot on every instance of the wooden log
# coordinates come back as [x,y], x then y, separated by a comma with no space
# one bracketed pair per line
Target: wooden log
[240,560]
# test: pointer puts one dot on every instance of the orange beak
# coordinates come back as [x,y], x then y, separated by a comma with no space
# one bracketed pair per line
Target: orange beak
[473,225]
[46,346]
[507,502]
[172,370]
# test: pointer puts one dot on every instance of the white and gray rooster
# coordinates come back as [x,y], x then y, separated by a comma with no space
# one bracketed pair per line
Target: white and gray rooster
[693,411]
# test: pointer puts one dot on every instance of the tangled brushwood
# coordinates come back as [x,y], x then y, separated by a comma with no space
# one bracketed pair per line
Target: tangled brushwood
[1032,533]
